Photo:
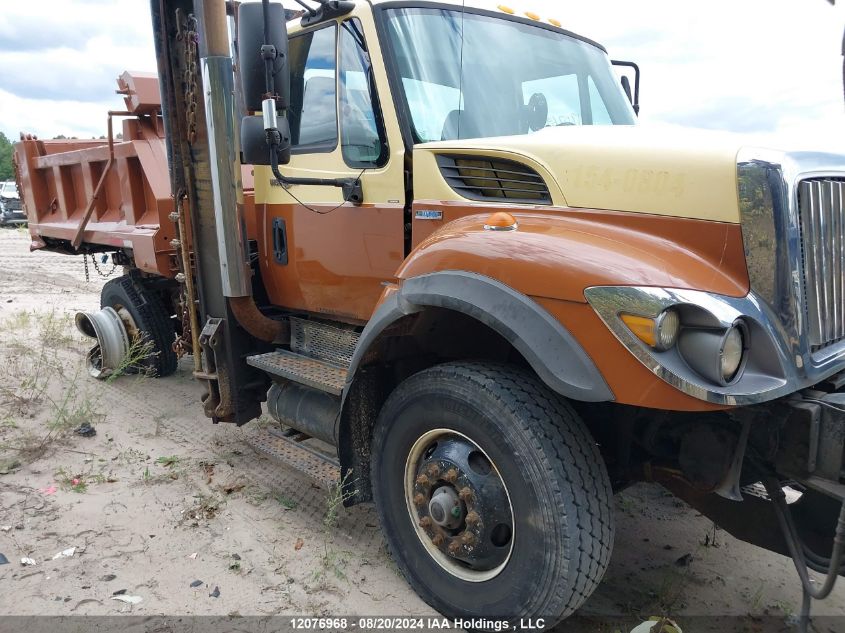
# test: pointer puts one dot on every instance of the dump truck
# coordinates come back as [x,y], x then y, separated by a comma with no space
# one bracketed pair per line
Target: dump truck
[464,266]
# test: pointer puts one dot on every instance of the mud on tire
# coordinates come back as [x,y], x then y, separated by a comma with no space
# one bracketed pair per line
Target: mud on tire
[556,480]
[151,318]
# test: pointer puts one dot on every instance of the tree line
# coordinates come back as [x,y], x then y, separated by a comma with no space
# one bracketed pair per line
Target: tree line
[7,170]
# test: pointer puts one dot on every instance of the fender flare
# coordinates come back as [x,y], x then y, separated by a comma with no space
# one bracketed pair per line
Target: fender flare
[551,351]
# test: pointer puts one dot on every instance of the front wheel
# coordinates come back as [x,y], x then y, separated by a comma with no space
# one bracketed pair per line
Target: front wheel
[492,494]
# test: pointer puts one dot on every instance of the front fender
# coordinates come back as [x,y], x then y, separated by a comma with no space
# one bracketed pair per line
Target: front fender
[553,353]
[558,253]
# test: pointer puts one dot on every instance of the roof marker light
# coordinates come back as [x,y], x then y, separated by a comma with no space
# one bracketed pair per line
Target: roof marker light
[506,9]
[532,15]
[554,22]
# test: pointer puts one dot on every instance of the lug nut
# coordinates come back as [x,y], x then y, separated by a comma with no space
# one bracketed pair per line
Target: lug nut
[434,470]
[454,547]
[451,475]
[419,499]
[422,480]
[437,539]
[468,538]
[473,518]
[425,522]
[465,494]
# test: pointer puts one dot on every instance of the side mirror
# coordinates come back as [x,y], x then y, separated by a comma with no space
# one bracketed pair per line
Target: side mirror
[252,64]
[626,84]
[254,150]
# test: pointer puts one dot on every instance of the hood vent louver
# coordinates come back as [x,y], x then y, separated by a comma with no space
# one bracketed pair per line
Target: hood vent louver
[493,179]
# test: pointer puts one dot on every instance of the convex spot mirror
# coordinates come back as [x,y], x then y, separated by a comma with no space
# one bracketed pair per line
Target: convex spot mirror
[254,148]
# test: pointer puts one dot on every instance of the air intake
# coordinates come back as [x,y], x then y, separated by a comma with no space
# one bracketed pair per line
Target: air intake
[479,178]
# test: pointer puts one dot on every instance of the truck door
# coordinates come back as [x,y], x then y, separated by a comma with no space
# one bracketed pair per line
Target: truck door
[319,253]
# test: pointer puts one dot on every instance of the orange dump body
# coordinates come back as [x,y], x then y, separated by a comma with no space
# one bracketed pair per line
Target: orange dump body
[58,180]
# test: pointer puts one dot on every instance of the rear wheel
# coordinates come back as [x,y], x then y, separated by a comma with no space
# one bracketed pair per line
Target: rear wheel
[146,320]
[493,496]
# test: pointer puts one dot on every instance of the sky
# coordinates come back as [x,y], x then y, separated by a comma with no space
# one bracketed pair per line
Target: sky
[768,68]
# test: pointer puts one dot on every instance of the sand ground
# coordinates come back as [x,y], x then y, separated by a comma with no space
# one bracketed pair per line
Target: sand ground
[161,498]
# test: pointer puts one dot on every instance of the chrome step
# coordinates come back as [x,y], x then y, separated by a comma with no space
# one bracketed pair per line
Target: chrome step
[312,372]
[290,449]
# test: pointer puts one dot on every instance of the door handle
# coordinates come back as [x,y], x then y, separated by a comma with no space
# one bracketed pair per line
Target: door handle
[280,241]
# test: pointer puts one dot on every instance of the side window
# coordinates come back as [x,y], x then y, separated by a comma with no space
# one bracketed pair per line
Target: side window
[313,93]
[431,104]
[362,138]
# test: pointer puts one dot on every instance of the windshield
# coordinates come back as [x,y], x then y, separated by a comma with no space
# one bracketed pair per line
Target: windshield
[516,78]
[9,188]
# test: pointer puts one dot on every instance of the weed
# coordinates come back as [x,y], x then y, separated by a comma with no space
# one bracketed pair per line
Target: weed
[8,422]
[235,567]
[20,320]
[79,481]
[785,608]
[338,495]
[168,461]
[73,409]
[265,422]
[140,350]
[333,560]
[286,502]
[55,329]
[757,598]
[73,482]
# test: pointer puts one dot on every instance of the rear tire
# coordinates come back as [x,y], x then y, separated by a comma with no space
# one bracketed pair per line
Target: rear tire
[555,483]
[149,319]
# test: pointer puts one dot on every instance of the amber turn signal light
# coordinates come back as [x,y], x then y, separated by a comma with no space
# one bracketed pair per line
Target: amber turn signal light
[500,221]
[661,332]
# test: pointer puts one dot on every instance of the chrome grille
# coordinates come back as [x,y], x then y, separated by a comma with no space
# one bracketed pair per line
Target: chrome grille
[821,202]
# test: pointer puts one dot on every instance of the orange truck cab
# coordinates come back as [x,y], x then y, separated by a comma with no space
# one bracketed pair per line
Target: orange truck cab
[469,270]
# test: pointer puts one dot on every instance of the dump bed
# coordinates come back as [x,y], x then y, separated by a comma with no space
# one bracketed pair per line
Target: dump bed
[98,195]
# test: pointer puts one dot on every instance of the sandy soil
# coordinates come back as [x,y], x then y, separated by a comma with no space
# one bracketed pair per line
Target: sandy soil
[161,498]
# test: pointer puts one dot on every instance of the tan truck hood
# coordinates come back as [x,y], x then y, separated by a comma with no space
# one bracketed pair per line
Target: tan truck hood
[642,169]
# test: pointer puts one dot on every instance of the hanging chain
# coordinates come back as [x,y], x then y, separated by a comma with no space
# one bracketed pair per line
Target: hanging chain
[190,39]
[184,343]
[97,267]
[100,272]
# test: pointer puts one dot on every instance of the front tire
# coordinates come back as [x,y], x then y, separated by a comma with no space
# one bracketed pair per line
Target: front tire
[526,530]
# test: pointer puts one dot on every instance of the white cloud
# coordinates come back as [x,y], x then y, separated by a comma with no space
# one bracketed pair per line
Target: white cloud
[758,66]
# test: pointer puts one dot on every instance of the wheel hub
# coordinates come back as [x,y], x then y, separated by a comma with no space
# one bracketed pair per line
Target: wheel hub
[460,505]
[445,508]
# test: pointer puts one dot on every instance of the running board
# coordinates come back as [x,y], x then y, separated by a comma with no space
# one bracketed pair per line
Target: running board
[288,447]
[311,372]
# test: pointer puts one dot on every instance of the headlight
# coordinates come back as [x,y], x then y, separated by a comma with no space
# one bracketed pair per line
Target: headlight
[731,354]
[715,354]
